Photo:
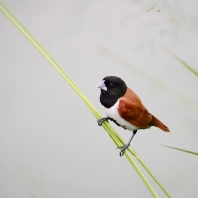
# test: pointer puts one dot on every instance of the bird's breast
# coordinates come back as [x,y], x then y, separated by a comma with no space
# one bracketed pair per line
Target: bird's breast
[113,113]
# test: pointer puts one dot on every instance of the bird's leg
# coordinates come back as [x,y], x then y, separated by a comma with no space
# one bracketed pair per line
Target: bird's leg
[123,148]
[115,122]
[101,120]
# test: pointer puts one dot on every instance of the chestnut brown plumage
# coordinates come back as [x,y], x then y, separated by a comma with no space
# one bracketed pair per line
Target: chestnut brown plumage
[133,111]
[124,107]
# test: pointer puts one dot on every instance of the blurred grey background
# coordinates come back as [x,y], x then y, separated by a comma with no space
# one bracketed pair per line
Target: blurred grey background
[50,143]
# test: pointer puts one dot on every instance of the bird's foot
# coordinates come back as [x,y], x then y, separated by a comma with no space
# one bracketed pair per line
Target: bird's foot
[101,120]
[123,148]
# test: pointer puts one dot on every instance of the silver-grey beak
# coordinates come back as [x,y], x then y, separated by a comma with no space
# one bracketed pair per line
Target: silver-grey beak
[102,85]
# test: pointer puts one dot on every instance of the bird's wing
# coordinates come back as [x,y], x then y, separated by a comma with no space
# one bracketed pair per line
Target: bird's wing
[132,110]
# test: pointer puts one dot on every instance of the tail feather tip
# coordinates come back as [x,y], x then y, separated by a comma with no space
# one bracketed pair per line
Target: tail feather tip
[155,122]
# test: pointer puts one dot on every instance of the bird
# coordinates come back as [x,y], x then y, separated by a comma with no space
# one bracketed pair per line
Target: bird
[124,108]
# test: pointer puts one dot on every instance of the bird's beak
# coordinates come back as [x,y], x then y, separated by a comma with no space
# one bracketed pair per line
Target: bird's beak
[102,85]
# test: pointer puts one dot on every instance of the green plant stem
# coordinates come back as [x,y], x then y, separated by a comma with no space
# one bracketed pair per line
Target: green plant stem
[182,62]
[191,152]
[113,134]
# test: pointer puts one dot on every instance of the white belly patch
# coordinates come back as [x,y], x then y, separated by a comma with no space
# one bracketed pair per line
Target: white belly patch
[113,113]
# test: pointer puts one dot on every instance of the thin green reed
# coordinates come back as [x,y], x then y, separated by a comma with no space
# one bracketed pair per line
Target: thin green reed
[112,133]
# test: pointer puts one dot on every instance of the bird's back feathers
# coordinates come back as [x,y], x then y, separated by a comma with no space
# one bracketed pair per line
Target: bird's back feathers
[132,110]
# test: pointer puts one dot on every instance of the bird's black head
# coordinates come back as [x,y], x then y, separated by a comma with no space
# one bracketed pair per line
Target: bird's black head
[112,88]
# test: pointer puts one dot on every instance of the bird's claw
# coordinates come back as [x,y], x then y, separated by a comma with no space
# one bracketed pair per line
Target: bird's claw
[123,148]
[101,120]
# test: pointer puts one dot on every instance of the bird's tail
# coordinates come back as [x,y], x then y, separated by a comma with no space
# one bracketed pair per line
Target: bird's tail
[155,122]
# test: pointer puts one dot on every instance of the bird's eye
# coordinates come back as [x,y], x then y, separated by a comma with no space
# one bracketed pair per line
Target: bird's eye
[111,85]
